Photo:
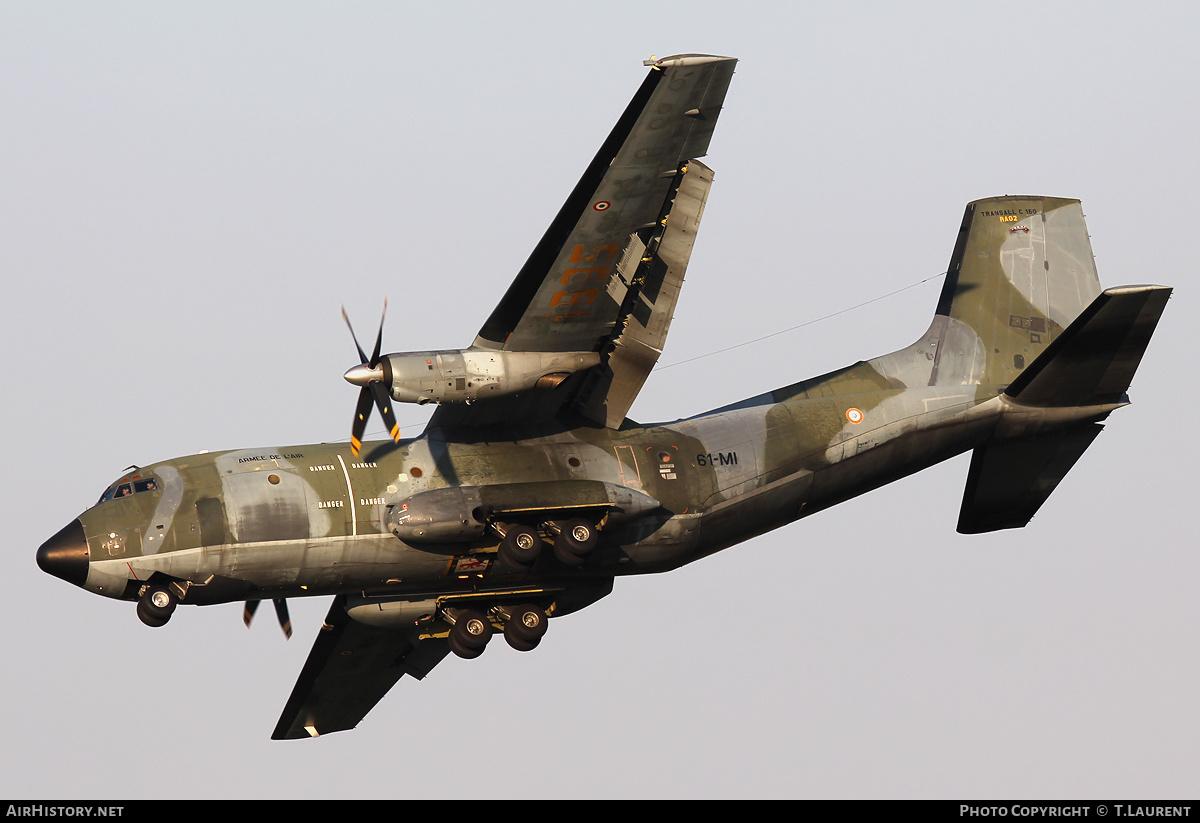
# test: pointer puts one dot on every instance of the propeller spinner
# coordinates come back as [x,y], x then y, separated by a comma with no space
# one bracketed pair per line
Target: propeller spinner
[373,378]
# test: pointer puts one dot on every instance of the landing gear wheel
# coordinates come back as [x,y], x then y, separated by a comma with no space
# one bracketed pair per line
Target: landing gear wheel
[565,555]
[520,547]
[525,627]
[470,634]
[575,540]
[462,651]
[156,606]
[521,645]
[154,621]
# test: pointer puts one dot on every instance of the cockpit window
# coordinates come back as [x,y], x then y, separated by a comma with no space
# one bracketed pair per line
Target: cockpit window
[125,489]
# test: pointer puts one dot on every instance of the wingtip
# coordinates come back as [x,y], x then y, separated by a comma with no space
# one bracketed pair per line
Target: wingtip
[684,60]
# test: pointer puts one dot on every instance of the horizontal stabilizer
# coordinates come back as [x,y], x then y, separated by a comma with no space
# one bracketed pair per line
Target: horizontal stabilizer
[1009,480]
[1092,362]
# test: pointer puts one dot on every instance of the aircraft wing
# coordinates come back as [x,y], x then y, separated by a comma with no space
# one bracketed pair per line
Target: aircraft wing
[350,668]
[606,275]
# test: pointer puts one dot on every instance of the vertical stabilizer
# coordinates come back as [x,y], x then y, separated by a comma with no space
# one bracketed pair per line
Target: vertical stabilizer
[1021,272]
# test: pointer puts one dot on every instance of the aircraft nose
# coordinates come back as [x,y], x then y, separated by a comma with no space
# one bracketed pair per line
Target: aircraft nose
[65,555]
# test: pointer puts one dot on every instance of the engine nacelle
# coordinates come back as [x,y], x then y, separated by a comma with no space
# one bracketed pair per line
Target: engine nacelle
[464,375]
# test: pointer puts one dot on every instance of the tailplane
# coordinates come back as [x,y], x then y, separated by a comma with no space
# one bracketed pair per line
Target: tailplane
[1093,361]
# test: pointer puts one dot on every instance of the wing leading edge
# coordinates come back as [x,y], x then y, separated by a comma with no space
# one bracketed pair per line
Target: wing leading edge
[606,274]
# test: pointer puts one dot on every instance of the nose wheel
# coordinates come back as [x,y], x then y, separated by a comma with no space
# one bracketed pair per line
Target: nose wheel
[156,605]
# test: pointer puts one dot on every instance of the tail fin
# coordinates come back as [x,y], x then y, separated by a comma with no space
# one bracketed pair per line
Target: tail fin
[1021,272]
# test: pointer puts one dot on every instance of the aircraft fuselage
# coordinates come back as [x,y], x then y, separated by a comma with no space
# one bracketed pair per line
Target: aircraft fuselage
[310,520]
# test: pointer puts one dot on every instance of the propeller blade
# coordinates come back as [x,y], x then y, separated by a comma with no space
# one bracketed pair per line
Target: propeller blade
[384,402]
[361,415]
[281,611]
[374,392]
[379,338]
[361,354]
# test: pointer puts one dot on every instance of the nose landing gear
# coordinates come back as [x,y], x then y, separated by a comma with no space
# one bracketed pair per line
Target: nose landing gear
[156,605]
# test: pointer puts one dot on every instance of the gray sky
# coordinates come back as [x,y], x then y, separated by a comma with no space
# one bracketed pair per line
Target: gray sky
[190,192]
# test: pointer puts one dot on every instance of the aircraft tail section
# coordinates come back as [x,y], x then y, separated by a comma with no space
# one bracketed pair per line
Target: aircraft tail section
[1021,272]
[1021,313]
[1053,408]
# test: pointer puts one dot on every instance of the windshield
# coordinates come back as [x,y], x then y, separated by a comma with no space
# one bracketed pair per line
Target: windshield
[127,486]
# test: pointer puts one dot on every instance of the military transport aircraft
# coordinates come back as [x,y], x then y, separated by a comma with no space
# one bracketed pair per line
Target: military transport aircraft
[530,490]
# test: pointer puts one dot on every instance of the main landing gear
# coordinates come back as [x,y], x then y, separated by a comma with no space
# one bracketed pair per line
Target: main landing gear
[521,545]
[524,627]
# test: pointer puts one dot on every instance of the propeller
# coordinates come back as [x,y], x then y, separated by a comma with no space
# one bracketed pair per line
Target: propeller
[375,382]
[281,611]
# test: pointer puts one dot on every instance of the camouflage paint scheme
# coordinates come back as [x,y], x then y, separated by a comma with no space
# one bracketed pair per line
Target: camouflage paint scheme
[1023,358]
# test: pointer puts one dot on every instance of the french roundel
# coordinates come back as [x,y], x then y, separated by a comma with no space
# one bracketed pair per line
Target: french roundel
[601,205]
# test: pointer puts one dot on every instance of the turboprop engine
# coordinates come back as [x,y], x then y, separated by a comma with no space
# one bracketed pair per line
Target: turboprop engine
[456,376]
[464,375]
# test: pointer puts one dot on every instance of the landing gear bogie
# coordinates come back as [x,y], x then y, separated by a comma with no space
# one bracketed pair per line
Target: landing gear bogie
[524,627]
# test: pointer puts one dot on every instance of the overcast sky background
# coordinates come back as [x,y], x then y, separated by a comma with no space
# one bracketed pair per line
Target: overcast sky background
[189,192]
